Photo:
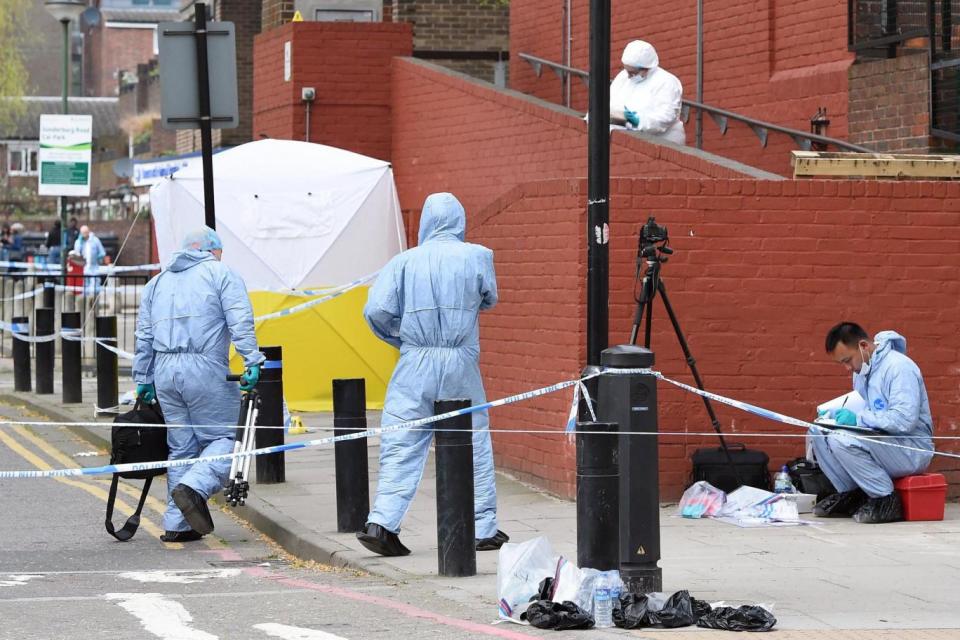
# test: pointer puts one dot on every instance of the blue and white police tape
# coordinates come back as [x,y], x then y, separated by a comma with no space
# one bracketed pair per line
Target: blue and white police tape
[306,305]
[21,331]
[322,291]
[23,296]
[368,433]
[41,268]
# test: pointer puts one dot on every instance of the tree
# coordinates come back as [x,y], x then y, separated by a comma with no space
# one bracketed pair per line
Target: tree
[13,75]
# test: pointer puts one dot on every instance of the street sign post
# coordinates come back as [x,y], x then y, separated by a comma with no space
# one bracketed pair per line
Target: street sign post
[65,150]
[192,97]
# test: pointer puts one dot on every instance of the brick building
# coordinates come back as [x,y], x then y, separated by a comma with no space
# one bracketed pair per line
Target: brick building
[763,265]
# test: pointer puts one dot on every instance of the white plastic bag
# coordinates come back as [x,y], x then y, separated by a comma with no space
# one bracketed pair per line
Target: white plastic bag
[701,500]
[520,568]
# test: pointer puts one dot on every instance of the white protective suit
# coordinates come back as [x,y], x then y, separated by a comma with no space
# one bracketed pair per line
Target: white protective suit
[656,99]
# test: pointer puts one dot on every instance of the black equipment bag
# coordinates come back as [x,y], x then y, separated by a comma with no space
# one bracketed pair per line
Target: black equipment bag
[807,476]
[130,444]
[712,465]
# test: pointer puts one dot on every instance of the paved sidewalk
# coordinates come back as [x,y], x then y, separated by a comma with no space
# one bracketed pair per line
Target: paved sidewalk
[833,580]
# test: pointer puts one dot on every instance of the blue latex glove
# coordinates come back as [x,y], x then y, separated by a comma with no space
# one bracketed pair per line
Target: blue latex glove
[147,392]
[845,417]
[250,378]
[631,116]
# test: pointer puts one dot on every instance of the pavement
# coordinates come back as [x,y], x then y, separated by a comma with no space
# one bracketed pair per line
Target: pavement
[833,579]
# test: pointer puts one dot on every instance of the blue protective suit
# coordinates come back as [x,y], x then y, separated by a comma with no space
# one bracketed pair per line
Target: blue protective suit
[426,301]
[189,314]
[897,405]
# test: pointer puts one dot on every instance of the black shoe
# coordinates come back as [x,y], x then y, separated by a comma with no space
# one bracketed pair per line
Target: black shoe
[840,505]
[180,536]
[879,510]
[379,540]
[193,506]
[494,543]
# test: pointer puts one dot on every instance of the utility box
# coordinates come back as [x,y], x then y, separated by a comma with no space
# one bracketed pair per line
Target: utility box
[340,10]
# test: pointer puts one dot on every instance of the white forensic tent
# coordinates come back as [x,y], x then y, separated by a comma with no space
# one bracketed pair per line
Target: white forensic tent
[292,216]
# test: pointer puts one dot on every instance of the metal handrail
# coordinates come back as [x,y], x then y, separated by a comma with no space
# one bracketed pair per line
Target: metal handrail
[720,116]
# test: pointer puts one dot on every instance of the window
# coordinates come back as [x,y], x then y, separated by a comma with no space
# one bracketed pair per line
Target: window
[22,161]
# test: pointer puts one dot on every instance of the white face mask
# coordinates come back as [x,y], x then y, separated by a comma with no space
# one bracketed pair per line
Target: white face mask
[865,367]
[637,79]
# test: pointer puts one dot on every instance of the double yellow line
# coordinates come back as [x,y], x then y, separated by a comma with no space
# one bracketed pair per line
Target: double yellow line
[93,486]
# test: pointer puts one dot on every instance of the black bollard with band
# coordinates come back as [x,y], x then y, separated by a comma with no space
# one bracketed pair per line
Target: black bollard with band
[456,539]
[631,401]
[44,352]
[71,369]
[271,467]
[350,456]
[21,354]
[598,492]
[107,366]
[49,294]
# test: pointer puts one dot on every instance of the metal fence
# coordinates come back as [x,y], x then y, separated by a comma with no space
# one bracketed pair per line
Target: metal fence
[945,69]
[876,27]
[22,293]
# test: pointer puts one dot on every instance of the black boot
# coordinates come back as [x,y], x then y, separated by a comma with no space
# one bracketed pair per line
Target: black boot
[879,510]
[180,536]
[379,540]
[494,543]
[193,506]
[840,505]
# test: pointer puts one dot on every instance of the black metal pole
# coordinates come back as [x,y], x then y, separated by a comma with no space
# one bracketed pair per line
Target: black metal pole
[49,293]
[271,467]
[350,456]
[598,496]
[598,181]
[107,368]
[631,401]
[206,126]
[21,354]
[44,351]
[456,530]
[70,359]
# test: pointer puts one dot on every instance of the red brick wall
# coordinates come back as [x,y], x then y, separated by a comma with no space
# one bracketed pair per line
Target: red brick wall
[458,134]
[890,103]
[761,271]
[349,66]
[777,63]
[113,49]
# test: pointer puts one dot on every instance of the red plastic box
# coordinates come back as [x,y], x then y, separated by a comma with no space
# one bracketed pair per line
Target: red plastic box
[923,496]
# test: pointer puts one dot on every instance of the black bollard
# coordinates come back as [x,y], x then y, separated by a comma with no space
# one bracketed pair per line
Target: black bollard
[21,354]
[49,294]
[70,352]
[107,368]
[631,401]
[456,529]
[598,493]
[44,352]
[270,467]
[350,456]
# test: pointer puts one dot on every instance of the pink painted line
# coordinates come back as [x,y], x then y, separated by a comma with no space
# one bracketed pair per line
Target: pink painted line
[405,609]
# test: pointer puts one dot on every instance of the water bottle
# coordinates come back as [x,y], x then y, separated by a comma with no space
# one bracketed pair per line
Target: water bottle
[781,483]
[602,603]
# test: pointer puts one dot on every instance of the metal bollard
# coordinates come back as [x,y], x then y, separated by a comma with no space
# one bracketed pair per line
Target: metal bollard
[107,367]
[631,401]
[71,367]
[598,493]
[271,467]
[49,294]
[350,456]
[21,354]
[456,529]
[44,352]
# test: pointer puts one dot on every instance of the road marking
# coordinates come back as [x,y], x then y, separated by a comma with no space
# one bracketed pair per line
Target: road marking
[41,464]
[18,579]
[294,633]
[163,618]
[179,577]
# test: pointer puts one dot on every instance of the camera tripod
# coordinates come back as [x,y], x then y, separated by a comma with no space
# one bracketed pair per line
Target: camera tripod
[653,249]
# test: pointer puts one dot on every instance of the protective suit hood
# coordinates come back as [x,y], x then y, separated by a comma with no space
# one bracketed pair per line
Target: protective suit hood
[183,260]
[443,217]
[889,340]
[640,54]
